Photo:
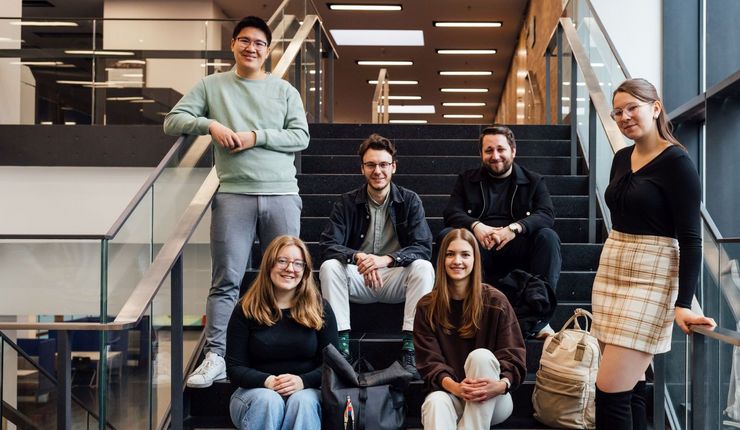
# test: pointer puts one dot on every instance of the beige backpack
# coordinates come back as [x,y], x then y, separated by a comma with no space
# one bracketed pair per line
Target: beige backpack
[565,386]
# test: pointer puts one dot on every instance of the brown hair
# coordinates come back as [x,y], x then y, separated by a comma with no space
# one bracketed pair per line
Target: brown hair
[439,299]
[377,142]
[644,91]
[259,302]
[498,129]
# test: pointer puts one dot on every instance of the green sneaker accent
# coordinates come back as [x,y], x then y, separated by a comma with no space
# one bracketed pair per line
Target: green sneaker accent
[408,341]
[344,342]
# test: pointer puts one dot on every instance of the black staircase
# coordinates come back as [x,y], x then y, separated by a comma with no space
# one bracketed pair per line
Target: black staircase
[429,158]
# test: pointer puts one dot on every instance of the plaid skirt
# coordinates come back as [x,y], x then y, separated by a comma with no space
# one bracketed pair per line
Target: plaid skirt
[635,290]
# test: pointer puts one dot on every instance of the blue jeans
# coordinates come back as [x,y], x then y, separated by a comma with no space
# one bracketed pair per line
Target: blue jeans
[264,409]
[235,221]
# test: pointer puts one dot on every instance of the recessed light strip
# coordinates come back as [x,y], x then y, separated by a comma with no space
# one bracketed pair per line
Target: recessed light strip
[463,116]
[478,24]
[402,97]
[466,51]
[85,52]
[364,7]
[392,82]
[463,104]
[384,62]
[464,90]
[408,121]
[465,72]
[45,23]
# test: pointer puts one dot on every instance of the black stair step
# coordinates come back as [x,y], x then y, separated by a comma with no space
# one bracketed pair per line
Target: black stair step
[432,131]
[568,229]
[432,164]
[320,205]
[424,183]
[438,147]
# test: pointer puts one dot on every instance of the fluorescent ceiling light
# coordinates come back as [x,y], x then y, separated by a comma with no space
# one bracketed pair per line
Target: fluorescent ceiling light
[100,84]
[70,123]
[99,52]
[142,101]
[465,72]
[463,116]
[45,23]
[391,82]
[410,108]
[466,51]
[402,97]
[464,90]
[132,75]
[478,24]
[131,62]
[370,7]
[461,104]
[7,39]
[46,123]
[41,63]
[408,121]
[378,37]
[216,64]
[384,62]
[125,99]
[313,72]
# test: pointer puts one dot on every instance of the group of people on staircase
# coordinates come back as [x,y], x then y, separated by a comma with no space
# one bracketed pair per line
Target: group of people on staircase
[459,333]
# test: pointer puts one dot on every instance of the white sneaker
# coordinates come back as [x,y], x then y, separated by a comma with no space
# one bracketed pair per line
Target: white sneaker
[211,369]
[545,332]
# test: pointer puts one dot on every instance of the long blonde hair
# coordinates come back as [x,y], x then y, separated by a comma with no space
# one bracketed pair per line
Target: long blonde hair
[439,299]
[259,302]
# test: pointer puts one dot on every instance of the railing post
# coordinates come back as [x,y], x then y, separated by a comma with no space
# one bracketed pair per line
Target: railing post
[659,391]
[176,387]
[698,380]
[103,339]
[329,87]
[573,115]
[591,171]
[317,76]
[64,381]
[548,95]
[559,41]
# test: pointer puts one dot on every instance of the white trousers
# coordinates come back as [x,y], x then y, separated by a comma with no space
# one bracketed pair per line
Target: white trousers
[442,410]
[342,283]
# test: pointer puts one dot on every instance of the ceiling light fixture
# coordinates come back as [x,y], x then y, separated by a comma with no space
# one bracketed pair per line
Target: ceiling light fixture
[478,24]
[384,62]
[462,104]
[131,62]
[44,23]
[464,90]
[463,116]
[79,52]
[466,51]
[408,121]
[364,7]
[402,97]
[41,63]
[124,99]
[392,82]
[465,72]
[214,64]
[410,109]
[378,37]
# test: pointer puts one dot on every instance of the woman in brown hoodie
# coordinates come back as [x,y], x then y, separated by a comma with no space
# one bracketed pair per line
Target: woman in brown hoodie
[469,348]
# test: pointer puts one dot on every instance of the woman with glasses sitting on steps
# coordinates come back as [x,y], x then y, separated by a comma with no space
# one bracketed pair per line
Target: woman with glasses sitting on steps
[643,282]
[274,343]
[469,347]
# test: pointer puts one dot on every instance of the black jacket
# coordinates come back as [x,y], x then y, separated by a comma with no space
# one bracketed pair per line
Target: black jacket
[350,219]
[532,298]
[531,205]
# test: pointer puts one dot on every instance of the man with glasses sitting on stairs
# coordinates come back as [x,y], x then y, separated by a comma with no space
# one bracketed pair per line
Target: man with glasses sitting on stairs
[257,123]
[377,247]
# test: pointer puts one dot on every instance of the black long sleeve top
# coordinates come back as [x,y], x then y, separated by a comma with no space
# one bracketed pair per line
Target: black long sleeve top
[662,198]
[255,351]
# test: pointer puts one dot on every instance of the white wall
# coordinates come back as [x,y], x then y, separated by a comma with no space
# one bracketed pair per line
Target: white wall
[635,27]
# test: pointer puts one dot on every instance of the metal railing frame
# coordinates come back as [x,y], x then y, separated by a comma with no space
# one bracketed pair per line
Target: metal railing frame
[379,104]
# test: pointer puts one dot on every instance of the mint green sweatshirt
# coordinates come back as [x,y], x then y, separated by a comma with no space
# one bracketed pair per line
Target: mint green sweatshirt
[270,107]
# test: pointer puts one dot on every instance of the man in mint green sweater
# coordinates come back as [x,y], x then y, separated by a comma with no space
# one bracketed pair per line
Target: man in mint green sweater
[257,123]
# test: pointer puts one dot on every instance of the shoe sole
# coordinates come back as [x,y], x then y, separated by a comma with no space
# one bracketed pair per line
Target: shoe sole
[205,384]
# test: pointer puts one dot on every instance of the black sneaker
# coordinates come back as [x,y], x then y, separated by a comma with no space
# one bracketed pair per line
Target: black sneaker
[408,361]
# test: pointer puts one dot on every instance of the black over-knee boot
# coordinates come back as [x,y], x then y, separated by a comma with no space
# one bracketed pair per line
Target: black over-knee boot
[613,410]
[639,406]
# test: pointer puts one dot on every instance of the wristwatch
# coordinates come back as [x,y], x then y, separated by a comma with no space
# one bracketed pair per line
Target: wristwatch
[515,227]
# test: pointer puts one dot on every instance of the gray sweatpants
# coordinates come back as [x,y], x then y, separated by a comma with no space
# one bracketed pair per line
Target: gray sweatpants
[235,219]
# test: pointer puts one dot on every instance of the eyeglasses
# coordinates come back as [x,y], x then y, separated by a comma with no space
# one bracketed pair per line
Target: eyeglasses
[383,165]
[630,110]
[283,263]
[245,42]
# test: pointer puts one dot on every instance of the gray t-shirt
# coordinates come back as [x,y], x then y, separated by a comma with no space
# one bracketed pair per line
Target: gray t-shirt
[380,237]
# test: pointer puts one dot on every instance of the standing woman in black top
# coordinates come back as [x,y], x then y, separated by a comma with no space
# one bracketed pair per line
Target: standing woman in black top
[274,343]
[644,282]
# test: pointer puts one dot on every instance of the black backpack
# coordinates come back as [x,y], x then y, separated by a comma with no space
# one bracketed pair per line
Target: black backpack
[377,397]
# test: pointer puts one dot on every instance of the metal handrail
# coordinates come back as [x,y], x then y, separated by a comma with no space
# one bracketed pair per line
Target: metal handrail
[608,39]
[598,98]
[46,373]
[381,97]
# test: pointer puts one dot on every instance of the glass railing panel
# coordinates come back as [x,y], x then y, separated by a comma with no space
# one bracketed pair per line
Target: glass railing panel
[728,387]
